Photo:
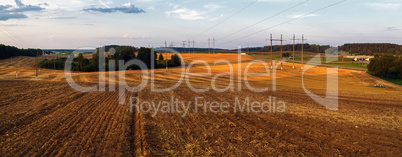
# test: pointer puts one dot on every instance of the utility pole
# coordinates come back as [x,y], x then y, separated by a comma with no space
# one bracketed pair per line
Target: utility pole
[54,66]
[302,50]
[271,52]
[214,46]
[16,71]
[184,46]
[281,53]
[209,45]
[272,60]
[193,46]
[171,45]
[293,51]
[36,64]
[189,44]
[39,59]
[166,55]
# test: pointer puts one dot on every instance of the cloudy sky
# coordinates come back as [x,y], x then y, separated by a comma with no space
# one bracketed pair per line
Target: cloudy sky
[92,23]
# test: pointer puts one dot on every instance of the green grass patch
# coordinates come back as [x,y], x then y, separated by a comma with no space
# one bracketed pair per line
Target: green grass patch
[66,52]
[395,81]
[349,64]
[216,51]
[379,87]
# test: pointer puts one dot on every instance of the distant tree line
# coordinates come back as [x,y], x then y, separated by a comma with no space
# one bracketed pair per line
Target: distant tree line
[125,53]
[386,66]
[298,47]
[371,48]
[11,51]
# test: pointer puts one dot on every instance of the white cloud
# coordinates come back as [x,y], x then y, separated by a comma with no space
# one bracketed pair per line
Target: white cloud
[215,18]
[9,12]
[126,36]
[60,17]
[127,4]
[384,5]
[299,16]
[186,14]
[193,14]
[213,6]
[127,8]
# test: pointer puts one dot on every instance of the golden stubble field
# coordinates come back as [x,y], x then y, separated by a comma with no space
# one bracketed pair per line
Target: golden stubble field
[48,117]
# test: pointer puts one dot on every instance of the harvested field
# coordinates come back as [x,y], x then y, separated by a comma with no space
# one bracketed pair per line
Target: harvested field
[49,118]
[49,123]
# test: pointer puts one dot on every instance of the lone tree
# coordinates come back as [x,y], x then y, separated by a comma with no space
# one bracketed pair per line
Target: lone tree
[80,62]
[175,61]
[161,57]
[95,60]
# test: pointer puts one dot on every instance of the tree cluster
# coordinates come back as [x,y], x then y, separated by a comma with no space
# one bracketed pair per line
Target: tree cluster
[386,66]
[57,64]
[287,54]
[371,48]
[125,53]
[11,51]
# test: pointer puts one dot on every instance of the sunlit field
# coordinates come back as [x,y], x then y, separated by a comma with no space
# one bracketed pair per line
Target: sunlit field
[47,117]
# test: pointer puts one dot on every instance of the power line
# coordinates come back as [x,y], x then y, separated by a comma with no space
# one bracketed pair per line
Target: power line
[265,19]
[288,21]
[11,35]
[15,41]
[224,20]
[14,36]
